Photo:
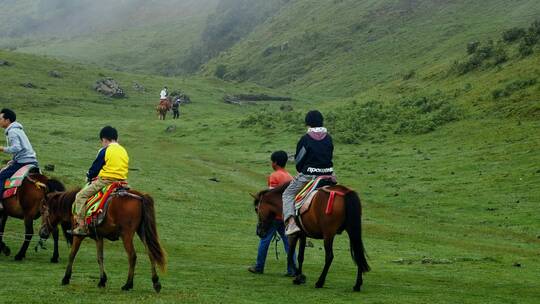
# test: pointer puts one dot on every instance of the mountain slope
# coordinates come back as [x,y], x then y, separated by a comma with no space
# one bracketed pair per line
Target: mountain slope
[340,48]
[134,35]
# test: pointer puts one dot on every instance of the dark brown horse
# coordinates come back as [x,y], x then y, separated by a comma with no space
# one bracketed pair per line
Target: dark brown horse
[345,215]
[126,214]
[163,107]
[26,205]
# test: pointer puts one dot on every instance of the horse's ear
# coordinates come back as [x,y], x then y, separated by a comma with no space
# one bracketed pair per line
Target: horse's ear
[253,195]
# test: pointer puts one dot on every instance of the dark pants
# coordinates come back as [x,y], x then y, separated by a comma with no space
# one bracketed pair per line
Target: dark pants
[176,113]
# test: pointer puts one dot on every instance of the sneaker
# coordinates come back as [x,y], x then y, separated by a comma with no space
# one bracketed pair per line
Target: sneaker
[252,269]
[289,274]
[292,228]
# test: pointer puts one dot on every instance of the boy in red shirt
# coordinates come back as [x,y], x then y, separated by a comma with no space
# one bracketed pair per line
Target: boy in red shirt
[277,178]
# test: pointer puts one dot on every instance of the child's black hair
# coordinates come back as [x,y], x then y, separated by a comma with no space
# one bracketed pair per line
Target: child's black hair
[280,158]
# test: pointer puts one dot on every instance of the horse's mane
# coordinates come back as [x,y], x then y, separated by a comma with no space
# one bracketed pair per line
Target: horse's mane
[278,190]
[62,201]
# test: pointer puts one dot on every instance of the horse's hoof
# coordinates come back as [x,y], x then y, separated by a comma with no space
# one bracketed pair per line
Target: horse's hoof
[54,260]
[19,257]
[319,285]
[65,281]
[157,287]
[6,251]
[300,279]
[127,287]
[356,288]
[102,281]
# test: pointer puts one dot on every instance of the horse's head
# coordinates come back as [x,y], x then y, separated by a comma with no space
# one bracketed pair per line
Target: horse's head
[50,217]
[267,208]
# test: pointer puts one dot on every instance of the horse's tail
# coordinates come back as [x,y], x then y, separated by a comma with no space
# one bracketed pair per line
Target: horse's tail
[149,234]
[353,221]
[54,185]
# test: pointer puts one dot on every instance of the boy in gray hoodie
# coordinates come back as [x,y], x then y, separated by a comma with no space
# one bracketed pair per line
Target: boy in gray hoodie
[17,144]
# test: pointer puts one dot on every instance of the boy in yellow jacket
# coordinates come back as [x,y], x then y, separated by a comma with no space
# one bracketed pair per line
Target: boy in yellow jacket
[110,165]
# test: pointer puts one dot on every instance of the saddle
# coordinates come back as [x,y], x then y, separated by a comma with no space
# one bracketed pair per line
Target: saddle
[302,201]
[12,184]
[96,206]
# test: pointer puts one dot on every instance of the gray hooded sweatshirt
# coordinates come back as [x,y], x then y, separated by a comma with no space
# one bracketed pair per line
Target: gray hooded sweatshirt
[19,145]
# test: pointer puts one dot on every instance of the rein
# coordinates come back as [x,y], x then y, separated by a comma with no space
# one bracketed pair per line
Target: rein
[276,240]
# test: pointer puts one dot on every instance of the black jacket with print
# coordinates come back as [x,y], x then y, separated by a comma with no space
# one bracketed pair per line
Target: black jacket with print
[314,154]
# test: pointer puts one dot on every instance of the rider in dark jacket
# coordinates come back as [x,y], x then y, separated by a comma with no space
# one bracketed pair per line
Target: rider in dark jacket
[314,153]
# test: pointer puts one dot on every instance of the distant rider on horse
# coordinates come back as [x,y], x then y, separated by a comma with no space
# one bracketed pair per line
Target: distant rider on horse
[17,144]
[110,165]
[313,158]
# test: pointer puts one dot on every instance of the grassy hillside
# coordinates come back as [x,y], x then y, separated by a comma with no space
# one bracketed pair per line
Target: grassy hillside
[342,48]
[123,35]
[450,215]
[231,21]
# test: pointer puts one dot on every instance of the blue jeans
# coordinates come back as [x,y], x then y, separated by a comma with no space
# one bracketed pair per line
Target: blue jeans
[7,172]
[279,227]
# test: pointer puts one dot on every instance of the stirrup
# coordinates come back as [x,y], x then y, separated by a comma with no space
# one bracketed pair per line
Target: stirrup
[79,230]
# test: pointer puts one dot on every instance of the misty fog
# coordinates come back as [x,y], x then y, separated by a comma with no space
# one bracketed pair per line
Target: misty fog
[20,18]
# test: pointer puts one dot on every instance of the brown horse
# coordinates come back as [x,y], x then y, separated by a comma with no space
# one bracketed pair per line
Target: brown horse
[345,215]
[26,205]
[128,213]
[163,107]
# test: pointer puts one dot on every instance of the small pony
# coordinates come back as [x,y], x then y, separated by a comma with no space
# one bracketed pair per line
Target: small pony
[26,205]
[127,213]
[318,223]
[163,107]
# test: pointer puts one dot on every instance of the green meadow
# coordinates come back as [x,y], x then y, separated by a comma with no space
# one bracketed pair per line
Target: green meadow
[450,215]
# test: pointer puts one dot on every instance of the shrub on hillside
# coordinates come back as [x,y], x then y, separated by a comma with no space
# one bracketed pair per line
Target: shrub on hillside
[355,123]
[534,29]
[525,50]
[489,55]
[220,71]
[513,34]
[499,56]
[530,39]
[472,47]
[410,74]
[512,87]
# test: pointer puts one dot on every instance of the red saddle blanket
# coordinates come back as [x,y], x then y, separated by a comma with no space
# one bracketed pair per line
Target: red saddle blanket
[15,181]
[96,206]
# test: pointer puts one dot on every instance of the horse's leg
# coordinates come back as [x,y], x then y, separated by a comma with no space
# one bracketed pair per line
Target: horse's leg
[54,258]
[127,238]
[102,274]
[28,233]
[155,277]
[329,256]
[77,240]
[3,247]
[293,239]
[301,249]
